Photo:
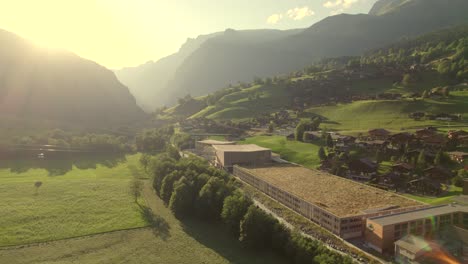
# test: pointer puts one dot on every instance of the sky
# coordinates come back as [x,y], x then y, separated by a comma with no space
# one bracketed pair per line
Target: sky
[124,33]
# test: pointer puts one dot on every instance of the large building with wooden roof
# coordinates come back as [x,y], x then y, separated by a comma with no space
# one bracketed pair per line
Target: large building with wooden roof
[337,204]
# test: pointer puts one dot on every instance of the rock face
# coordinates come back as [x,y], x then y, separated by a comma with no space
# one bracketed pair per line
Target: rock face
[56,85]
[239,56]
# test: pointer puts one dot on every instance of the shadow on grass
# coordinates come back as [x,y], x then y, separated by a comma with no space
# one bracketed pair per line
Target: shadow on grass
[61,164]
[216,237]
[158,225]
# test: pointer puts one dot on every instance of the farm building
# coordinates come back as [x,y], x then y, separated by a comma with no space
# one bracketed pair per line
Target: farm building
[246,155]
[383,231]
[337,204]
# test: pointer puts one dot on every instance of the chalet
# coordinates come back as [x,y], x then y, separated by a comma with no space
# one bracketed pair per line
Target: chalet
[458,156]
[425,186]
[310,136]
[437,173]
[455,134]
[363,166]
[463,141]
[401,138]
[372,144]
[402,168]
[379,133]
[389,180]
[426,132]
[343,141]
[417,115]
[434,141]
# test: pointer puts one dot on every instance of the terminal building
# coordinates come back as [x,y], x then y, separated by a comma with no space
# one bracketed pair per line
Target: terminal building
[337,204]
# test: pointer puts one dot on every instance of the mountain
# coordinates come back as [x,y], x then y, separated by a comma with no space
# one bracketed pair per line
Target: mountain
[149,82]
[42,84]
[239,56]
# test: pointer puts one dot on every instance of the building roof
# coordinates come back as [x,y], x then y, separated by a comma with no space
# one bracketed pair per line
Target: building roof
[337,195]
[419,214]
[240,148]
[216,142]
[412,243]
[379,131]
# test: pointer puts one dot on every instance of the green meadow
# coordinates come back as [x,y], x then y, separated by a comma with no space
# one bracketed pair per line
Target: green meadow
[72,201]
[293,151]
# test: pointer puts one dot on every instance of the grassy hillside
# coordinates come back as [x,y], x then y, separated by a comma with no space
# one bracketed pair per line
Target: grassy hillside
[294,151]
[241,105]
[364,115]
[75,199]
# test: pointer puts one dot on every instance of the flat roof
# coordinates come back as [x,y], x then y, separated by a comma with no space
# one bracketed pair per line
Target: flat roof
[240,148]
[216,142]
[419,214]
[339,196]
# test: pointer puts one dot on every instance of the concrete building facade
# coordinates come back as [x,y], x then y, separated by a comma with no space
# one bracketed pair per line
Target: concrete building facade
[382,232]
[246,155]
[334,217]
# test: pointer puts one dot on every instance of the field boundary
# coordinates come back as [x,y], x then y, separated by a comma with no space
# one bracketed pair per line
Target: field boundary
[8,247]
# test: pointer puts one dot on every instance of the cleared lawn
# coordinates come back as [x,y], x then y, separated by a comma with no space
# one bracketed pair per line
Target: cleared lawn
[172,242]
[298,152]
[71,202]
[393,115]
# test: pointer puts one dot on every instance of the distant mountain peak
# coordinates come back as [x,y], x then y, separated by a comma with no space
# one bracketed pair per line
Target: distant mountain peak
[382,7]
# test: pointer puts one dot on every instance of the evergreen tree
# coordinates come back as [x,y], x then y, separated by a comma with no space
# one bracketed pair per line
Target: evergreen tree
[321,153]
[330,143]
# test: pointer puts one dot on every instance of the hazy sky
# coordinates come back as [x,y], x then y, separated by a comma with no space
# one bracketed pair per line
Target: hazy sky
[118,33]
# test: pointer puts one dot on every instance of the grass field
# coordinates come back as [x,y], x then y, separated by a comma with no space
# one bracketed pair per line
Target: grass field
[298,152]
[444,199]
[170,242]
[393,115]
[72,201]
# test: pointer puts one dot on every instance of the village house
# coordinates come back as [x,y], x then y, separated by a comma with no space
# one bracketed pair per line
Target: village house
[343,141]
[379,134]
[401,139]
[402,168]
[438,173]
[458,156]
[426,132]
[436,141]
[455,134]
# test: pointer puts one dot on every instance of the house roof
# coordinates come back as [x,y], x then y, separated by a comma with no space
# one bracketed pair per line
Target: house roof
[240,148]
[216,142]
[379,131]
[458,153]
[419,214]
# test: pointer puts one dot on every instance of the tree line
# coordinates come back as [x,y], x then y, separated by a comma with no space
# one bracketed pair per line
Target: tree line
[193,189]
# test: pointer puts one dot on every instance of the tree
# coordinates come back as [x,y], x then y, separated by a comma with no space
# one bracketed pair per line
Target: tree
[438,158]
[321,153]
[144,161]
[172,152]
[211,197]
[299,133]
[168,185]
[330,143]
[37,184]
[421,161]
[256,228]
[271,127]
[136,187]
[235,207]
[181,198]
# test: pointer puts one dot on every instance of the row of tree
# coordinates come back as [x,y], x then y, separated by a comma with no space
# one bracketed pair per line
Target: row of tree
[91,141]
[193,189]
